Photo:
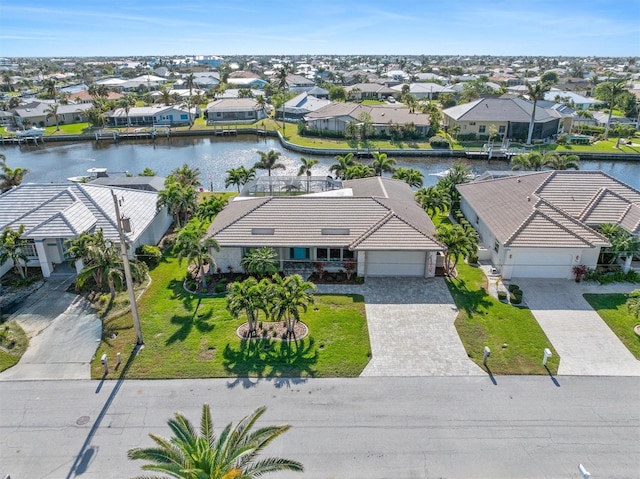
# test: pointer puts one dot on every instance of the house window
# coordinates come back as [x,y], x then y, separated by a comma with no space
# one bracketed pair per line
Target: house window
[183,117]
[299,253]
[472,123]
[333,255]
[477,219]
[30,249]
[496,246]
[322,254]
[502,129]
[482,128]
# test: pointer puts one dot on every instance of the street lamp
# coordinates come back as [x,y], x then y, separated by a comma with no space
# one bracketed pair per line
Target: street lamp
[127,270]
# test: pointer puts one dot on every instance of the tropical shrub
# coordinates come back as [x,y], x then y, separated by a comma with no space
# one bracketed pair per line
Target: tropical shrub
[149,254]
[439,142]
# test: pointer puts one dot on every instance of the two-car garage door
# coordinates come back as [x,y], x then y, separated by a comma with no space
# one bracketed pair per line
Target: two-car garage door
[395,263]
[542,265]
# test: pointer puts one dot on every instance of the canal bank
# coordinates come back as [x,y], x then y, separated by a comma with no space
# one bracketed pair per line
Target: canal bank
[229,131]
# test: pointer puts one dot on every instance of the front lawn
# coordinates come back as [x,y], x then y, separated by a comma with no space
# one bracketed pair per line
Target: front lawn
[613,310]
[190,336]
[70,129]
[485,321]
[13,344]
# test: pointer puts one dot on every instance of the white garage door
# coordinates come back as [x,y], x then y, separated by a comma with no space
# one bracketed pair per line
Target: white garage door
[542,265]
[395,263]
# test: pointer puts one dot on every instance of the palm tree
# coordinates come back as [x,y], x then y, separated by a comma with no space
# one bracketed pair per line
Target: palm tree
[179,200]
[555,161]
[50,89]
[359,171]
[433,199]
[269,161]
[246,297]
[12,248]
[528,161]
[382,164]
[535,92]
[147,172]
[187,176]
[239,177]
[291,295]
[192,454]
[10,177]
[126,102]
[305,168]
[261,103]
[210,207]
[411,176]
[460,242]
[52,111]
[611,91]
[165,96]
[633,303]
[261,261]
[281,79]
[343,162]
[197,251]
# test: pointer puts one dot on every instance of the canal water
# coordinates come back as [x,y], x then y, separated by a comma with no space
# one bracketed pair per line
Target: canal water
[56,162]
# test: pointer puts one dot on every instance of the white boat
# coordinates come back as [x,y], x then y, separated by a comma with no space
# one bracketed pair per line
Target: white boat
[93,174]
[441,175]
[31,132]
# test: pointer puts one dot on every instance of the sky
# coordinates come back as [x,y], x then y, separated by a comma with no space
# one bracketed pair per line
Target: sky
[45,28]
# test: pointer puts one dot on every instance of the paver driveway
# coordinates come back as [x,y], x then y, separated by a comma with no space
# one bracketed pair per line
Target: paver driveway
[411,328]
[585,343]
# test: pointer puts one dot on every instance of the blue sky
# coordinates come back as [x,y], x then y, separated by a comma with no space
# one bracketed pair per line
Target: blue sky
[46,28]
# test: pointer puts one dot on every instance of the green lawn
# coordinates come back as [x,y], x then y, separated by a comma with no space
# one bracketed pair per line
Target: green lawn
[70,129]
[613,310]
[485,321]
[187,336]
[10,351]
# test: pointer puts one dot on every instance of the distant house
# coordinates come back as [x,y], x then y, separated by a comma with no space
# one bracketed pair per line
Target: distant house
[369,91]
[541,225]
[54,213]
[38,113]
[421,91]
[151,115]
[336,117]
[84,97]
[298,83]
[509,117]
[373,223]
[234,110]
[301,105]
[576,101]
[253,83]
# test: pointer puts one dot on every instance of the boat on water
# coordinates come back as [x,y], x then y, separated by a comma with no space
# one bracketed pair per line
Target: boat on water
[30,132]
[93,173]
[441,175]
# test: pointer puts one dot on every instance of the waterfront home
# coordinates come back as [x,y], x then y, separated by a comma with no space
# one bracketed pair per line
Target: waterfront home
[234,110]
[336,116]
[301,105]
[577,102]
[39,113]
[54,213]
[172,115]
[373,225]
[543,224]
[509,117]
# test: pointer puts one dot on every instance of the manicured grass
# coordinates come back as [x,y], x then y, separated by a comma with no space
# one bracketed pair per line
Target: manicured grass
[485,321]
[70,129]
[11,354]
[613,310]
[189,336]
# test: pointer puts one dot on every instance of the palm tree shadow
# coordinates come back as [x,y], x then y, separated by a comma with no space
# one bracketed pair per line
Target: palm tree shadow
[188,322]
[177,287]
[284,362]
[468,300]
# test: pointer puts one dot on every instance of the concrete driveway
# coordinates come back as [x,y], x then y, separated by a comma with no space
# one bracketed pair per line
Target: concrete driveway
[411,328]
[586,345]
[63,333]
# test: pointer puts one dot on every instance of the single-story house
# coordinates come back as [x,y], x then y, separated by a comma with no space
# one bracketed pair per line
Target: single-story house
[542,224]
[369,91]
[151,115]
[336,116]
[253,83]
[509,116]
[54,213]
[301,105]
[578,102]
[299,83]
[84,97]
[374,222]
[38,113]
[422,91]
[234,110]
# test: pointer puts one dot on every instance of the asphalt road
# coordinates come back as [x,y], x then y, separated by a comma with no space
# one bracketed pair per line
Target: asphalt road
[374,428]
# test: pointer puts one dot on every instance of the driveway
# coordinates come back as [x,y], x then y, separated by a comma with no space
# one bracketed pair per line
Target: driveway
[585,343]
[411,328]
[63,333]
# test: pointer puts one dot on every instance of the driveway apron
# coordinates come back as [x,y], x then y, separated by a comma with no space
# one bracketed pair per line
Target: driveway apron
[411,328]
[63,331]
[585,343]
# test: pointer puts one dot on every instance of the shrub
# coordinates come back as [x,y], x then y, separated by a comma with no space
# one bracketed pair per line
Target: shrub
[502,295]
[149,254]
[513,287]
[515,299]
[439,142]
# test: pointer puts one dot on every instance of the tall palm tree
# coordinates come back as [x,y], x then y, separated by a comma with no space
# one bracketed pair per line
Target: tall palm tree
[460,242]
[50,89]
[191,246]
[281,79]
[187,176]
[382,164]
[536,93]
[180,201]
[411,176]
[611,91]
[305,168]
[126,102]
[12,248]
[269,161]
[52,111]
[10,177]
[433,199]
[165,96]
[554,161]
[291,295]
[343,162]
[246,297]
[239,177]
[210,207]
[233,454]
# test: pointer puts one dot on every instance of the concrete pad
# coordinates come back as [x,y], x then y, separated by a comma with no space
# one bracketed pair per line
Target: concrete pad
[586,345]
[64,334]
[411,328]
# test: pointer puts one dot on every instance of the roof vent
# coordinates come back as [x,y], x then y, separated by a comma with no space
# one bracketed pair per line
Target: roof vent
[262,231]
[518,180]
[528,198]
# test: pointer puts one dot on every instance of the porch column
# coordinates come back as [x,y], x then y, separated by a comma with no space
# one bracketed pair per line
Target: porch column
[45,265]
[627,263]
[431,264]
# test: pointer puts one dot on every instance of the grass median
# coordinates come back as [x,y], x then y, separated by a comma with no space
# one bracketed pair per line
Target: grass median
[193,336]
[612,308]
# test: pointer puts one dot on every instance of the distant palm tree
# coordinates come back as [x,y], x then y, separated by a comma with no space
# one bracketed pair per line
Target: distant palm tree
[411,176]
[536,92]
[10,177]
[359,171]
[239,176]
[382,164]
[281,79]
[343,162]
[192,454]
[52,111]
[269,161]
[554,161]
[305,168]
[528,161]
[126,102]
[611,90]
[187,176]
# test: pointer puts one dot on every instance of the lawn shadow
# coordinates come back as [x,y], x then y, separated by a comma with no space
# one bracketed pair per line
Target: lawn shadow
[179,293]
[111,328]
[466,299]
[283,362]
[188,322]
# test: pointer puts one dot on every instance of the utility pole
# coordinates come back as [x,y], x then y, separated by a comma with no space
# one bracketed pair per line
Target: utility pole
[127,272]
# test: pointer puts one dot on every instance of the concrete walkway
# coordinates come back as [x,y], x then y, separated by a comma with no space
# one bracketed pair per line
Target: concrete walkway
[63,333]
[585,343]
[411,328]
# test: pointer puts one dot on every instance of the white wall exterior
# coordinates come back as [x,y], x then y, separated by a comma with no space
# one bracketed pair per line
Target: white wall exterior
[228,257]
